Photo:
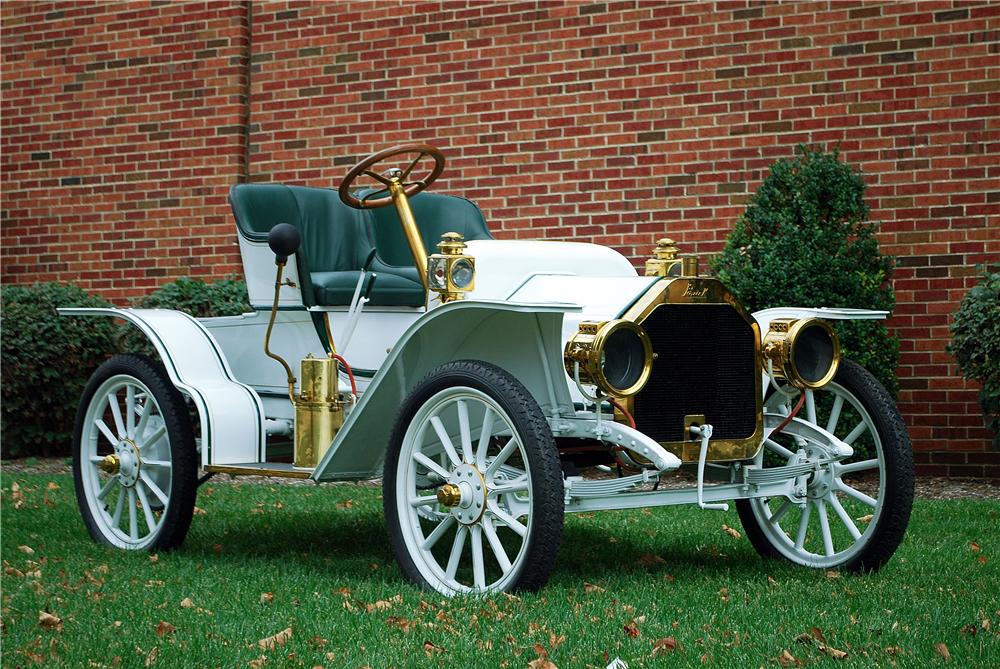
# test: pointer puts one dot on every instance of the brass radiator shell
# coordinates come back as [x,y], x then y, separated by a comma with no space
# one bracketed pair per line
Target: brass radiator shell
[695,292]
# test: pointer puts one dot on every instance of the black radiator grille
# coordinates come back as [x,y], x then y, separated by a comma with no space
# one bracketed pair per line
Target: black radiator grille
[705,365]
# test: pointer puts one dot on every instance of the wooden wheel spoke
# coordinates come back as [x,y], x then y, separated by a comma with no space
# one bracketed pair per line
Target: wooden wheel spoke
[845,518]
[464,432]
[431,465]
[409,169]
[800,536]
[456,552]
[478,564]
[824,526]
[147,510]
[116,413]
[106,431]
[377,177]
[863,465]
[857,494]
[501,457]
[486,433]
[133,520]
[858,430]
[507,519]
[160,495]
[445,440]
[831,423]
[438,532]
[498,551]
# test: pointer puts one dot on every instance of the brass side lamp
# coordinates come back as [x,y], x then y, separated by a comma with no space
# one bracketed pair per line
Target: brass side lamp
[450,272]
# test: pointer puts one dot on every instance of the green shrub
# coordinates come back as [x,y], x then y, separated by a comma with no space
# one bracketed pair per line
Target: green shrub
[46,360]
[976,345]
[226,297]
[804,240]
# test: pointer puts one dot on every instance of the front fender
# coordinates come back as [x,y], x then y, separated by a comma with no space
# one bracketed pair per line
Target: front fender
[523,339]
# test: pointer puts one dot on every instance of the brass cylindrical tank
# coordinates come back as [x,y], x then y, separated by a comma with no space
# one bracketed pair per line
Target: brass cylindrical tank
[319,414]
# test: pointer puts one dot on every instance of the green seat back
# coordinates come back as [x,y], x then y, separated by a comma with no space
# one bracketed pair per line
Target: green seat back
[435,214]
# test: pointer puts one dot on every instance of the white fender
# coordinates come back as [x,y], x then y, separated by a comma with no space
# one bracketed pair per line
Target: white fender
[231,414]
[765,316]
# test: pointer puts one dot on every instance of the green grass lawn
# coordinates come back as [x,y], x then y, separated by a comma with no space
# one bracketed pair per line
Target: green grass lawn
[264,558]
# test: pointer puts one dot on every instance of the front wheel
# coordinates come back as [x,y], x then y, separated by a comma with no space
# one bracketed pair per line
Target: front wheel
[473,485]
[135,464]
[850,514]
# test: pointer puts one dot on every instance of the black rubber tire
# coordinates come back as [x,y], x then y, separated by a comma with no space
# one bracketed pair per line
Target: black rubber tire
[539,446]
[894,517]
[183,452]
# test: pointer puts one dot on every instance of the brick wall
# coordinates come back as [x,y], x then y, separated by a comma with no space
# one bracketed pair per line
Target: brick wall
[615,122]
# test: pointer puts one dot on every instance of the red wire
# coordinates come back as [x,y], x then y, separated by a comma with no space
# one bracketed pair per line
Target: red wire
[789,417]
[350,374]
[615,404]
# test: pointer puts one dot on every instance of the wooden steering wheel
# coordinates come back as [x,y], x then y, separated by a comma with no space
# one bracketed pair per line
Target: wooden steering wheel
[383,196]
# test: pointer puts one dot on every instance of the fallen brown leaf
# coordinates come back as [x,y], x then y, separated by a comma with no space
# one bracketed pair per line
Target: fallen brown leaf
[894,650]
[648,560]
[259,662]
[384,604]
[151,658]
[724,594]
[590,587]
[165,628]
[786,659]
[266,597]
[279,639]
[556,641]
[542,661]
[832,652]
[866,519]
[817,634]
[831,574]
[154,558]
[631,629]
[974,546]
[431,649]
[27,550]
[49,621]
[198,511]
[186,603]
[16,495]
[664,646]
[731,532]
[346,504]
[942,650]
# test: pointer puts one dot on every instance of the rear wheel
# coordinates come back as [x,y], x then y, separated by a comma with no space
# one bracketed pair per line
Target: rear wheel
[850,514]
[473,485]
[134,458]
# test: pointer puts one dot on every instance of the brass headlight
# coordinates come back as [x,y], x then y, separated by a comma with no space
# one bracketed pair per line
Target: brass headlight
[805,352]
[616,356]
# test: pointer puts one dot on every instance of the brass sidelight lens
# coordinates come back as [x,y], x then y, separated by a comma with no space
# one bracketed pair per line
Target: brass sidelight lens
[805,352]
[616,356]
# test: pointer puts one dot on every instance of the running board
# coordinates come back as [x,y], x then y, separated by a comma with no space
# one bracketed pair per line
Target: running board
[277,469]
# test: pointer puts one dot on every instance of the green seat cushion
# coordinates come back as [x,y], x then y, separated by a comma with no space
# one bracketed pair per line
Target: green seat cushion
[390,289]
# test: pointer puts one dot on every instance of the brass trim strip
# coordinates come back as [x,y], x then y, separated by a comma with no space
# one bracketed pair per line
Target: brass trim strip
[241,470]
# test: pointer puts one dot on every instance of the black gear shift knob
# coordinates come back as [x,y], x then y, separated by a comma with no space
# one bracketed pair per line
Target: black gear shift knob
[284,240]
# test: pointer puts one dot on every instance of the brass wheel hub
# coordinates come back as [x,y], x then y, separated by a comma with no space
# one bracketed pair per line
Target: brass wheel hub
[449,495]
[464,494]
[124,462]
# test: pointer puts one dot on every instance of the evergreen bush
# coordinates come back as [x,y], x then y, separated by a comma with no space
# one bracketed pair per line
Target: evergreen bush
[805,240]
[976,345]
[46,360]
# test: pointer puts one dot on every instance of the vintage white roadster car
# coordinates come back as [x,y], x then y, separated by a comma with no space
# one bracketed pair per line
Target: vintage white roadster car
[494,386]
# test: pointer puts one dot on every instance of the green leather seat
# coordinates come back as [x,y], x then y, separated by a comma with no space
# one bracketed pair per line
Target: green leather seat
[337,239]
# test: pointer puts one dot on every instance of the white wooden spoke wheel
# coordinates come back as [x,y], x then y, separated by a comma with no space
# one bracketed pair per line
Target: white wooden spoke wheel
[134,457]
[473,483]
[850,513]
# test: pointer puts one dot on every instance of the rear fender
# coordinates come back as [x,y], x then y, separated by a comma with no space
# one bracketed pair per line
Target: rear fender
[523,339]
[230,412]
